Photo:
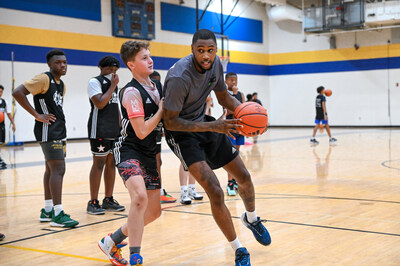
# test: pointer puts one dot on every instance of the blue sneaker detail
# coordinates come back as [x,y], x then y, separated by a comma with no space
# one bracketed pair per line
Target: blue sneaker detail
[136,259]
[259,231]
[242,257]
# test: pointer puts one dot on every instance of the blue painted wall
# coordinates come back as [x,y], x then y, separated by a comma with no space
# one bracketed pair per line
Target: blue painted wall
[87,9]
[183,19]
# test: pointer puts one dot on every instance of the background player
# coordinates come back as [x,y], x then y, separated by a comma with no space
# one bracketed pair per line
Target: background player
[103,128]
[5,108]
[238,140]
[188,192]
[48,94]
[165,197]
[321,117]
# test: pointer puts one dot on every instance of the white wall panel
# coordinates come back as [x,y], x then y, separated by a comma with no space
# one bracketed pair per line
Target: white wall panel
[358,99]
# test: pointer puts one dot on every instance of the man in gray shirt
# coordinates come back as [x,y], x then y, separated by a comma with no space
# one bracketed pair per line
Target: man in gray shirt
[200,141]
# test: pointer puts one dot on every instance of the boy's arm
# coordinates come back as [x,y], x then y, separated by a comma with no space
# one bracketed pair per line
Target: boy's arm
[325,113]
[20,94]
[131,101]
[226,100]
[11,120]
[101,100]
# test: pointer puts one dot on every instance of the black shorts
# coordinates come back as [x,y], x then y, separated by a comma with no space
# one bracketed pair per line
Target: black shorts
[54,149]
[2,133]
[158,142]
[133,167]
[191,147]
[101,147]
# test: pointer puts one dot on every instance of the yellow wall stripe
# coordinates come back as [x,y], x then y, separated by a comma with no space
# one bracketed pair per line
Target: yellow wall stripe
[77,41]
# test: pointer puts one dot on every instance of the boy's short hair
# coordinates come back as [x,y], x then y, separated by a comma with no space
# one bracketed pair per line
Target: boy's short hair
[203,34]
[230,74]
[255,93]
[52,53]
[155,74]
[1,87]
[130,49]
[249,96]
[320,89]
[109,60]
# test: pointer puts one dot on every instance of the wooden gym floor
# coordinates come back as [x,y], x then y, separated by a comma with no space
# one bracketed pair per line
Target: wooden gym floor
[325,206]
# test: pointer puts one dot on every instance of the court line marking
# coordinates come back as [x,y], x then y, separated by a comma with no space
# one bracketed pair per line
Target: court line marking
[55,253]
[60,231]
[327,197]
[387,166]
[168,209]
[89,158]
[301,224]
[228,199]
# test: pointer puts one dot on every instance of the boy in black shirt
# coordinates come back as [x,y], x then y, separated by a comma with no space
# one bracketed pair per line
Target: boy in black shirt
[48,94]
[321,117]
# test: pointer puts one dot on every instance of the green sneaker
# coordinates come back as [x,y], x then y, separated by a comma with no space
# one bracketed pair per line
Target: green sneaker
[46,216]
[63,220]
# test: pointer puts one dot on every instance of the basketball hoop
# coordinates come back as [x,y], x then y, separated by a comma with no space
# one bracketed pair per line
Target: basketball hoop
[224,62]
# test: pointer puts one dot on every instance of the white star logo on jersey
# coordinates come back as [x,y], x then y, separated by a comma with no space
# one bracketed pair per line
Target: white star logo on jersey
[135,105]
[233,150]
[52,81]
[104,82]
[101,148]
[148,100]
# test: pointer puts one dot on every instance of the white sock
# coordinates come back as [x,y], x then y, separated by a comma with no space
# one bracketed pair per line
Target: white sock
[192,186]
[161,192]
[251,216]
[57,209]
[235,244]
[48,205]
[183,188]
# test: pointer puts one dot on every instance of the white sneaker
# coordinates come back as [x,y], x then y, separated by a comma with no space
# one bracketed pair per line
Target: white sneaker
[185,198]
[194,195]
[332,141]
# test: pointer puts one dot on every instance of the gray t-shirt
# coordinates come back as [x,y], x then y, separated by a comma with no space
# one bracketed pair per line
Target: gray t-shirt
[186,90]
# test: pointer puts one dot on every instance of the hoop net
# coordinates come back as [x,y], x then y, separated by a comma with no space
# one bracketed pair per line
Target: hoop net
[225,62]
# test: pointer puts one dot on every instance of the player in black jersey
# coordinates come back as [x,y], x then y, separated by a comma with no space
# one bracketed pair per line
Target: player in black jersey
[231,81]
[201,142]
[135,151]
[103,128]
[165,197]
[48,93]
[5,108]
[321,117]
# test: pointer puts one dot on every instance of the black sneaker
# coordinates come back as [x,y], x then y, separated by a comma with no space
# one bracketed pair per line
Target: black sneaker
[110,204]
[93,207]
[313,142]
[3,163]
[242,257]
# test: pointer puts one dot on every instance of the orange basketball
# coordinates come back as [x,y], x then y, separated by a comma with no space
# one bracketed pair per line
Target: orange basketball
[1,117]
[254,118]
[328,92]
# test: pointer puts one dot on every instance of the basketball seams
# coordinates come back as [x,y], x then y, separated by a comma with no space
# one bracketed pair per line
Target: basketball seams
[253,117]
[245,105]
